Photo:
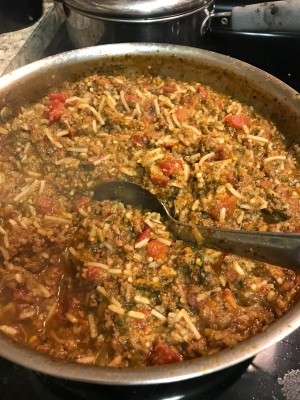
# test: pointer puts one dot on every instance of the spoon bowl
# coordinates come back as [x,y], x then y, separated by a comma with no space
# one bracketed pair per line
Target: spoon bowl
[278,248]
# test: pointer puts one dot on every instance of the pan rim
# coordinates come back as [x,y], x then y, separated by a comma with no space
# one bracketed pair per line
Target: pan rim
[179,371]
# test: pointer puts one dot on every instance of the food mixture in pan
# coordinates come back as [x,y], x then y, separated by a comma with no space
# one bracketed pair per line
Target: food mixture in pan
[107,284]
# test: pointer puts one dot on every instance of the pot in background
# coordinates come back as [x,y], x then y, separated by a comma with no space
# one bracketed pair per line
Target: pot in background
[182,22]
[100,22]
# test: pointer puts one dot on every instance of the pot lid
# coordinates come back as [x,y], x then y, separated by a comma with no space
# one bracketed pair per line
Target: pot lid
[136,9]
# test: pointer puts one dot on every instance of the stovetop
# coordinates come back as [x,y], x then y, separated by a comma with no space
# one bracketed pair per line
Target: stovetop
[273,374]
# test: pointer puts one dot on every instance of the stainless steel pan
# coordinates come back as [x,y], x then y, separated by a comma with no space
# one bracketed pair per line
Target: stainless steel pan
[179,21]
[267,94]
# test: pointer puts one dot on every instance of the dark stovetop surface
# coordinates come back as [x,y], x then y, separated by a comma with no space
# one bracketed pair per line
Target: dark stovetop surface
[273,374]
[278,54]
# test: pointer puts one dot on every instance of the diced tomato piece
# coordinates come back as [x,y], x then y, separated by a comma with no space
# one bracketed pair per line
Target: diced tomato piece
[82,202]
[201,90]
[266,183]
[269,133]
[56,110]
[162,354]
[131,99]
[169,145]
[229,298]
[237,121]
[145,234]
[61,97]
[93,273]
[170,166]
[57,107]
[159,179]
[220,154]
[223,201]
[44,205]
[182,114]
[157,249]
[169,88]
[139,139]
[263,288]
[142,323]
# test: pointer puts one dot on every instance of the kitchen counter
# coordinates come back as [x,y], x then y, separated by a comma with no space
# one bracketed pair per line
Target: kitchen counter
[27,45]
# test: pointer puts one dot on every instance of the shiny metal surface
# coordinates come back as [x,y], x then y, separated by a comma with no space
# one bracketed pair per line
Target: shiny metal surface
[136,9]
[177,22]
[86,31]
[266,93]
[282,249]
[119,22]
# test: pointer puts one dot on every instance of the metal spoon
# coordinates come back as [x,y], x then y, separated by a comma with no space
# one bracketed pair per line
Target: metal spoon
[276,248]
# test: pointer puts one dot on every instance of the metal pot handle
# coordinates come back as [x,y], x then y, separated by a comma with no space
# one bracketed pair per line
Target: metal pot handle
[278,16]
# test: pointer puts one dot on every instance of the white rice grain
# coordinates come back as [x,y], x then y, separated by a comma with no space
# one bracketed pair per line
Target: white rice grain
[141,243]
[156,106]
[53,140]
[136,314]
[103,291]
[234,191]
[42,186]
[165,241]
[141,299]
[190,324]
[116,309]
[123,100]
[26,190]
[268,159]
[158,315]
[115,271]
[257,139]
[86,359]
[100,160]
[222,215]
[238,268]
[8,330]
[97,265]
[57,219]
[77,149]
[6,241]
[93,326]
[50,312]
[206,157]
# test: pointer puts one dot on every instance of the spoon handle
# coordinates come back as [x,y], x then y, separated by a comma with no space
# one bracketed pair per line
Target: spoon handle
[278,248]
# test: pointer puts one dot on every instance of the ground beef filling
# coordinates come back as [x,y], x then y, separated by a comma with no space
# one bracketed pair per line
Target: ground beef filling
[107,284]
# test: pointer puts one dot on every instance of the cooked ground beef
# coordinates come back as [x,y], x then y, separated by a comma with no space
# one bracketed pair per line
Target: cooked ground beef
[107,284]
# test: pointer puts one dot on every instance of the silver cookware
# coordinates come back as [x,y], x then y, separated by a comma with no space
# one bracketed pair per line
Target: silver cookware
[267,94]
[177,22]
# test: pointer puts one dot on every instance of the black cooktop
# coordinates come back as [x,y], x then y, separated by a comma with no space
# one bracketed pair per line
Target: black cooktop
[274,374]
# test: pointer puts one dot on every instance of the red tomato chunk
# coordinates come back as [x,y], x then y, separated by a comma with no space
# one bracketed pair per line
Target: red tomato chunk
[171,166]
[145,234]
[44,205]
[223,201]
[162,354]
[237,121]
[57,106]
[157,249]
